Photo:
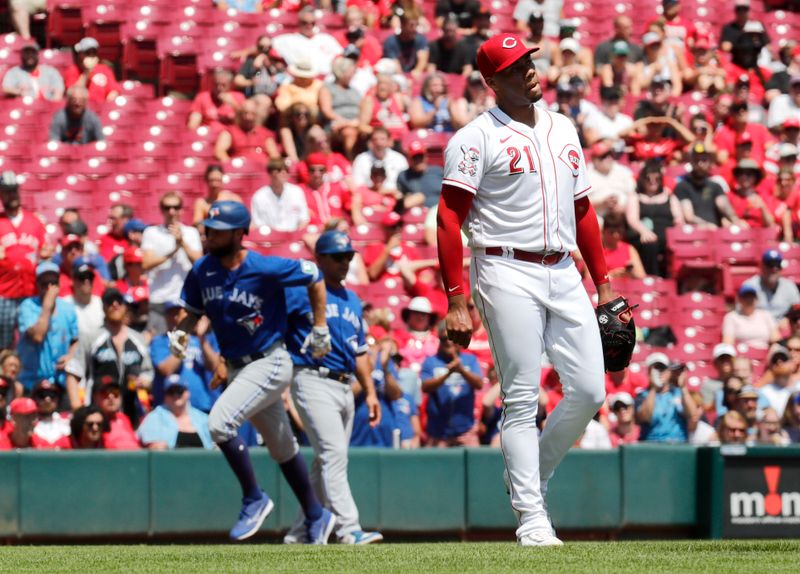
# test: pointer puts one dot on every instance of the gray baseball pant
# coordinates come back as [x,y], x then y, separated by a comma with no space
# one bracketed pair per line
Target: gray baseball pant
[255,394]
[326,408]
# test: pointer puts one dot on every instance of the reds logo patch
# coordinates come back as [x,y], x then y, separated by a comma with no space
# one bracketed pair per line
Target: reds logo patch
[251,322]
[571,157]
[469,165]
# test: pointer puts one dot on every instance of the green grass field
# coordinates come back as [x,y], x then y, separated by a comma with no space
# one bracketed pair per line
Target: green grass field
[729,557]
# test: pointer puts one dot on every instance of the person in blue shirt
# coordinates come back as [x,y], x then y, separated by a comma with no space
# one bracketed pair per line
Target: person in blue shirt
[384,377]
[666,410]
[242,294]
[321,389]
[450,378]
[408,47]
[196,370]
[176,423]
[48,328]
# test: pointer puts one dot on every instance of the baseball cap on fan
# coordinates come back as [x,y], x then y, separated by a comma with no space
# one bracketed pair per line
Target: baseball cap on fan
[501,51]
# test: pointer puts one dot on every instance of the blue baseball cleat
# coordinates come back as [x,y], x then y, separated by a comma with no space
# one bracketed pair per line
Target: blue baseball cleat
[251,517]
[360,538]
[320,530]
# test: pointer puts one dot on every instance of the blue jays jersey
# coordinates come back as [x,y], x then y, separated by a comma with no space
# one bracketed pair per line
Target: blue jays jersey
[246,305]
[343,314]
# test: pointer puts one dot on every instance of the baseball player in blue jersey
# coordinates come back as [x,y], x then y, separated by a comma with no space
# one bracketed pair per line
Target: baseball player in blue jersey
[242,294]
[321,388]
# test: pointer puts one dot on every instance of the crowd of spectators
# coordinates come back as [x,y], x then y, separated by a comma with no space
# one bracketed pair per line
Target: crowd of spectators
[683,125]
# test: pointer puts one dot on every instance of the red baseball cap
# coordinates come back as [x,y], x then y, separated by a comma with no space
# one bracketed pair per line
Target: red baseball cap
[23,406]
[317,158]
[600,148]
[139,293]
[744,138]
[70,238]
[499,52]
[132,254]
[791,123]
[416,148]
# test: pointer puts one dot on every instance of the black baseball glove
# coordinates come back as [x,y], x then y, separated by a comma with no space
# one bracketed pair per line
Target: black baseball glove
[618,335]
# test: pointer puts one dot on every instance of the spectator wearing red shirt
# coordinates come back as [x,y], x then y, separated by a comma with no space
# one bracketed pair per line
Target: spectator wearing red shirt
[87,71]
[736,125]
[118,433]
[381,258]
[624,430]
[114,242]
[72,257]
[479,343]
[339,168]
[246,138]
[51,430]
[19,433]
[22,239]
[325,200]
[785,203]
[135,282]
[622,258]
[6,392]
[651,139]
[86,428]
[677,29]
[626,381]
[216,108]
[355,35]
[422,279]
[745,199]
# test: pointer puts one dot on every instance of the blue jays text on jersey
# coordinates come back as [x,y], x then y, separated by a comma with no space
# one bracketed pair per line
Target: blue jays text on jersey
[246,305]
[344,318]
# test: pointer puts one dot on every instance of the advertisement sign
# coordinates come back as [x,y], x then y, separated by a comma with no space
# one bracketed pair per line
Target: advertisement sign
[761,498]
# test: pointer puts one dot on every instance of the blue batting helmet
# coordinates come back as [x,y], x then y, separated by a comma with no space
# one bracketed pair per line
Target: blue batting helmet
[225,215]
[332,242]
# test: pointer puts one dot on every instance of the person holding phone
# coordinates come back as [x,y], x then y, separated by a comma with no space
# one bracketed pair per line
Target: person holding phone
[665,410]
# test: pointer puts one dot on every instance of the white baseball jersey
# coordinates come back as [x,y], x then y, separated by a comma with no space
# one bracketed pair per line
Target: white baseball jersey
[525,180]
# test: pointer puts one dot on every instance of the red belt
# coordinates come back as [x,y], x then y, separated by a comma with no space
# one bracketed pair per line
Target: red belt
[528,256]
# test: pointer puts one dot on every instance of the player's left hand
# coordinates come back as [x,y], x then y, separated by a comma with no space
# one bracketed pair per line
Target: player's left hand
[374,408]
[220,375]
[319,339]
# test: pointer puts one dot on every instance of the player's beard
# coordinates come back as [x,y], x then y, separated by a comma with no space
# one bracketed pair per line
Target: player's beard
[223,250]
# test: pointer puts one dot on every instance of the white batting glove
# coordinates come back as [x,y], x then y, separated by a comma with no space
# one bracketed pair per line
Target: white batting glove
[319,339]
[178,341]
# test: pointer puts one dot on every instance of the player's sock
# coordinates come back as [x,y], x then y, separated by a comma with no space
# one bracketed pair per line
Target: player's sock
[296,474]
[238,458]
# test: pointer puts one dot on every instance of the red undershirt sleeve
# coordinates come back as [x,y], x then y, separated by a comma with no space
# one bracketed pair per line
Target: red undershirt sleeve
[589,240]
[454,206]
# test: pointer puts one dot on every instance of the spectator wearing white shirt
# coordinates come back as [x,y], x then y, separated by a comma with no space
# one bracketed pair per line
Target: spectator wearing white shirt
[168,250]
[608,122]
[380,150]
[281,205]
[88,307]
[550,9]
[780,372]
[308,43]
[785,106]
[613,184]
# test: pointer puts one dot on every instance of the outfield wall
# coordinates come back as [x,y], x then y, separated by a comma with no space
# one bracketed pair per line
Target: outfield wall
[193,493]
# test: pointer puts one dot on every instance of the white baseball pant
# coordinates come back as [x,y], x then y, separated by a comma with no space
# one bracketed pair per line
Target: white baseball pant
[327,408]
[528,308]
[254,393]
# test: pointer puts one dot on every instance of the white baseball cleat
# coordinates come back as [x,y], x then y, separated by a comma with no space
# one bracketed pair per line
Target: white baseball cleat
[539,538]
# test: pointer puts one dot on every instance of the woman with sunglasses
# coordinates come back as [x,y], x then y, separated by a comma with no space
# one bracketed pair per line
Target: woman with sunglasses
[51,431]
[650,212]
[87,426]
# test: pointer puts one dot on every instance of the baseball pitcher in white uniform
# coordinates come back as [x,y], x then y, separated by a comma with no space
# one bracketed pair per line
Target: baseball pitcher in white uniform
[515,179]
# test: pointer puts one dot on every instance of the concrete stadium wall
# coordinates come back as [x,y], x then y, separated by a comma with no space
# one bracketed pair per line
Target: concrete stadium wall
[89,494]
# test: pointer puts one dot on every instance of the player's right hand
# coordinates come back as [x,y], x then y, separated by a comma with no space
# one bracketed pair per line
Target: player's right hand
[458,321]
[178,341]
